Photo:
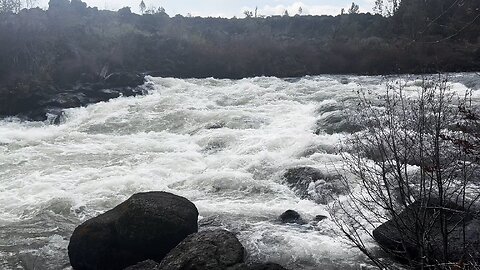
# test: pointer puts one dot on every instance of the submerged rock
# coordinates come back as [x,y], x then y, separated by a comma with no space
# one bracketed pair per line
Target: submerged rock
[207,250]
[398,234]
[311,183]
[344,81]
[146,226]
[291,216]
[337,122]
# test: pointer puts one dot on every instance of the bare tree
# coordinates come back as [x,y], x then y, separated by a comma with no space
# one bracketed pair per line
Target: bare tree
[248,14]
[416,164]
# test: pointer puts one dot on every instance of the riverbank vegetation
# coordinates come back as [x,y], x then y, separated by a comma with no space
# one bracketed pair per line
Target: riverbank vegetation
[71,42]
[417,165]
[71,45]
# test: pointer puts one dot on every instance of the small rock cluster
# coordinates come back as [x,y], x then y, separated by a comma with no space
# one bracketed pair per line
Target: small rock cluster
[155,231]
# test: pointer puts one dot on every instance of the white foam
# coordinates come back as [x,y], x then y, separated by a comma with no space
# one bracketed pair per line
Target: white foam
[106,152]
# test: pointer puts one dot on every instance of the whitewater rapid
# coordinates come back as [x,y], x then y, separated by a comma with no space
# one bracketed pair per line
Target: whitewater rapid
[222,144]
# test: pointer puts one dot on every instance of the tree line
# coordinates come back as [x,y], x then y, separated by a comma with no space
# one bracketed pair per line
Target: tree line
[71,43]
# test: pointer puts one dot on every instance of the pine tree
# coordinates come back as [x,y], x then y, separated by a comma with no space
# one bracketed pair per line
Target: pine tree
[354,9]
[143,7]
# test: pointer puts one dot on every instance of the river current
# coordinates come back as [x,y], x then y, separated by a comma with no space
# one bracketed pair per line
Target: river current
[222,144]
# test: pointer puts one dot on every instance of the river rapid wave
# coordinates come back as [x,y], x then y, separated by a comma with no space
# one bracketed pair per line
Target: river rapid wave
[223,144]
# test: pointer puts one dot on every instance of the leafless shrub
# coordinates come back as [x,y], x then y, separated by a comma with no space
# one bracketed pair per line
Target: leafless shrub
[415,166]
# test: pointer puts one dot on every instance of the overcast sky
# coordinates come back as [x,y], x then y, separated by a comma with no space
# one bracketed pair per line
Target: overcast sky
[230,8]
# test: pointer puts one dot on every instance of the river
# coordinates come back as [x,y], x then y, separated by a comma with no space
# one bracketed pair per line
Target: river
[223,144]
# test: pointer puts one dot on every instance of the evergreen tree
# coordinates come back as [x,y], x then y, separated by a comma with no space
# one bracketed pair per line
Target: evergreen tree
[143,7]
[354,9]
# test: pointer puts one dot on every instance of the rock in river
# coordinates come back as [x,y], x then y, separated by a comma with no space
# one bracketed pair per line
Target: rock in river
[291,216]
[146,226]
[398,235]
[207,250]
[311,183]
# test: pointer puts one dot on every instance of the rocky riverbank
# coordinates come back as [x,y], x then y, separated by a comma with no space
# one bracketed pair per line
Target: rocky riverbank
[44,101]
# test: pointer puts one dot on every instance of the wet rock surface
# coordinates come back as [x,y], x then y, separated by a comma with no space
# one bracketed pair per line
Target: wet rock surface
[214,250]
[145,265]
[312,183]
[398,234]
[291,216]
[146,226]
[38,102]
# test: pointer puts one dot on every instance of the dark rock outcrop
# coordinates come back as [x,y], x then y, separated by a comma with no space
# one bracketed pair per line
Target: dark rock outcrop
[398,235]
[145,265]
[124,79]
[207,250]
[311,183]
[146,226]
[319,218]
[291,216]
[35,102]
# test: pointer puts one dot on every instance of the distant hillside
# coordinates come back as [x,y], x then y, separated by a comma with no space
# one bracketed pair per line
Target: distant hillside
[70,43]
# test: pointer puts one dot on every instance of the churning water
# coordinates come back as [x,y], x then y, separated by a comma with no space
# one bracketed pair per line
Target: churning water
[222,144]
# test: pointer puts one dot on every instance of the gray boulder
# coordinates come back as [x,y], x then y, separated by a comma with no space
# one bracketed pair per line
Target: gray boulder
[146,226]
[291,216]
[398,235]
[207,250]
[311,183]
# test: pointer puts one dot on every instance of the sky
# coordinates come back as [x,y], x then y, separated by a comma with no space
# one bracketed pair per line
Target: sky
[230,8]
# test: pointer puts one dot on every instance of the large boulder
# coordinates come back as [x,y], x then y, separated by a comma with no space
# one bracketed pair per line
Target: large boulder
[399,235]
[146,226]
[311,183]
[291,216]
[207,250]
